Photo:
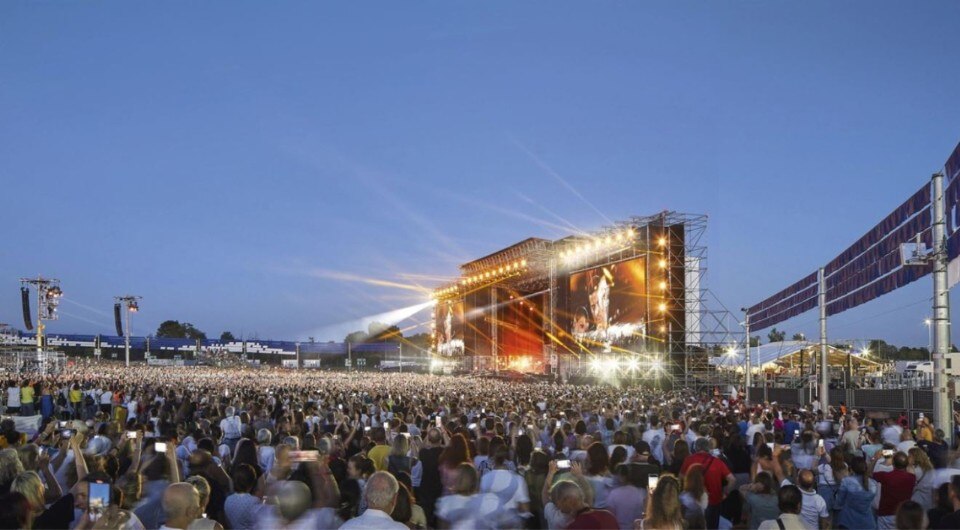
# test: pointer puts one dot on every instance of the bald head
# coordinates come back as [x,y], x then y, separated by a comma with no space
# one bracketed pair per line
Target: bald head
[181,504]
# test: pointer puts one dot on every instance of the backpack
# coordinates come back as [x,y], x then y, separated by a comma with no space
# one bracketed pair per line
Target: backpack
[88,401]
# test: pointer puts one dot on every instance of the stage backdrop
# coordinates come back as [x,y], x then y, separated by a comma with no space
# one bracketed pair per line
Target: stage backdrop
[608,304]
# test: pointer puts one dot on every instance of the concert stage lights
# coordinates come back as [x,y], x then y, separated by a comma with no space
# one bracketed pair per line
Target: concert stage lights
[663,264]
[662,307]
[663,286]
[662,241]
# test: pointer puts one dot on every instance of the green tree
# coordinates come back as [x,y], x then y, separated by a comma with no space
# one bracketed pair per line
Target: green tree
[776,336]
[380,332]
[798,337]
[755,341]
[226,336]
[175,330]
[171,329]
[356,337]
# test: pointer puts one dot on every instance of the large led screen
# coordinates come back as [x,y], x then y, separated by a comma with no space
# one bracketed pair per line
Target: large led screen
[608,304]
[449,327]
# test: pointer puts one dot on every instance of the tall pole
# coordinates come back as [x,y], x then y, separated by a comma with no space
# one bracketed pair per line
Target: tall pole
[824,373]
[748,380]
[40,294]
[126,338]
[400,354]
[941,311]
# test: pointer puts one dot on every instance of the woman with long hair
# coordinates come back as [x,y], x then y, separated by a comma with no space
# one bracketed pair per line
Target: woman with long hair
[399,461]
[694,497]
[664,511]
[681,450]
[760,500]
[598,473]
[923,469]
[855,498]
[457,452]
[830,474]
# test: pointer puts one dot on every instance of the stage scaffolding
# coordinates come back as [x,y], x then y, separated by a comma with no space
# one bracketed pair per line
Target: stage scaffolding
[697,327]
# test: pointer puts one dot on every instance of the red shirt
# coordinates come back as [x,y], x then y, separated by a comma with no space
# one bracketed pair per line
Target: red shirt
[594,520]
[714,473]
[897,487]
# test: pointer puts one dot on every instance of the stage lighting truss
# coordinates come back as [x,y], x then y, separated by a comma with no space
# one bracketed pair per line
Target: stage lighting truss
[130,302]
[48,296]
[482,278]
[588,248]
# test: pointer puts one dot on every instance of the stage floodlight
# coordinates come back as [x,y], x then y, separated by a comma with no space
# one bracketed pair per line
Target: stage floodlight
[595,364]
[656,365]
[663,264]
[662,241]
[632,365]
[662,307]
[663,286]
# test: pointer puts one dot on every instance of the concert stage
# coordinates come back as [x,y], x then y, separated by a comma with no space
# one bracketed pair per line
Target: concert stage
[626,298]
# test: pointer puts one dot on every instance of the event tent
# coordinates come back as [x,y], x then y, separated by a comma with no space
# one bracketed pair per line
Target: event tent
[786,353]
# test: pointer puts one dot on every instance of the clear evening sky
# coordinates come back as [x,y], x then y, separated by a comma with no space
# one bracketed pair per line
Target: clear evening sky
[252,166]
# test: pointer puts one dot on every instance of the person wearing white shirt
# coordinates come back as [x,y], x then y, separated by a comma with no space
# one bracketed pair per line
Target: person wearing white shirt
[655,436]
[230,427]
[380,493]
[891,433]
[813,510]
[13,398]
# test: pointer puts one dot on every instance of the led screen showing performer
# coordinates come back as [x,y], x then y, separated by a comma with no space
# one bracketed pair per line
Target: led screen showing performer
[449,327]
[608,305]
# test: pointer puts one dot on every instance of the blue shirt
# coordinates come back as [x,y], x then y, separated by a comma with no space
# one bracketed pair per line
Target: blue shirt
[789,428]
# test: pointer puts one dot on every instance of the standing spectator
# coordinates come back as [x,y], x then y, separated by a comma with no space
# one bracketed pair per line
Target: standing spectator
[664,511]
[508,486]
[718,479]
[456,453]
[465,507]
[241,508]
[181,506]
[626,502]
[760,500]
[910,516]
[570,501]
[920,466]
[430,485]
[694,497]
[895,487]
[655,436]
[381,496]
[952,519]
[855,498]
[813,512]
[26,398]
[789,500]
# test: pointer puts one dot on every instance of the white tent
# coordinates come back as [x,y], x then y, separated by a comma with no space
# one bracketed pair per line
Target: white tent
[774,352]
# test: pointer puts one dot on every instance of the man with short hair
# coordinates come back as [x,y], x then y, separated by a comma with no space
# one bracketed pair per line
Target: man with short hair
[789,500]
[570,501]
[655,436]
[952,520]
[430,484]
[813,509]
[717,479]
[895,487]
[381,496]
[181,505]
[381,450]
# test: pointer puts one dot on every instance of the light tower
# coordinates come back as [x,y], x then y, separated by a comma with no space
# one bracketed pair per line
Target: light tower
[48,298]
[131,304]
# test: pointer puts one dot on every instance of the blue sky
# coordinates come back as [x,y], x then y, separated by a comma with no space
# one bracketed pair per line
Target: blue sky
[245,165]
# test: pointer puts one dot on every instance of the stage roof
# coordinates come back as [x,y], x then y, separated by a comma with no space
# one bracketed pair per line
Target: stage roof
[782,352]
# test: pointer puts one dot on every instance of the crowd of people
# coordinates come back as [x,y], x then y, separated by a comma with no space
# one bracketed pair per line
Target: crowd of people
[241,448]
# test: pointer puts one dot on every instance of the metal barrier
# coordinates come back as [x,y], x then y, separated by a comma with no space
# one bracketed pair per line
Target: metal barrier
[891,401]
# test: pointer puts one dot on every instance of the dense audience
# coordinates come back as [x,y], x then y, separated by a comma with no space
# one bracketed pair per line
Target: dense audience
[241,448]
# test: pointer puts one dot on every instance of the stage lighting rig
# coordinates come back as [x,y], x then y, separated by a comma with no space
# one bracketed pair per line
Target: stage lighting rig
[48,299]
[131,303]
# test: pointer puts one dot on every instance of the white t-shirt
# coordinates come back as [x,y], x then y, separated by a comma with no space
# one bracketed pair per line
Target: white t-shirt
[106,397]
[13,396]
[891,434]
[752,431]
[655,438]
[508,486]
[813,508]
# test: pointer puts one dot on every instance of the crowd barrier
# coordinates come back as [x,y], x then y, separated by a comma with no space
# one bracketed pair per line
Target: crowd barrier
[26,424]
[893,401]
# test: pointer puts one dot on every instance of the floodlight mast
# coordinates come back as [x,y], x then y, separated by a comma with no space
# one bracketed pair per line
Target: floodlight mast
[131,305]
[48,297]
